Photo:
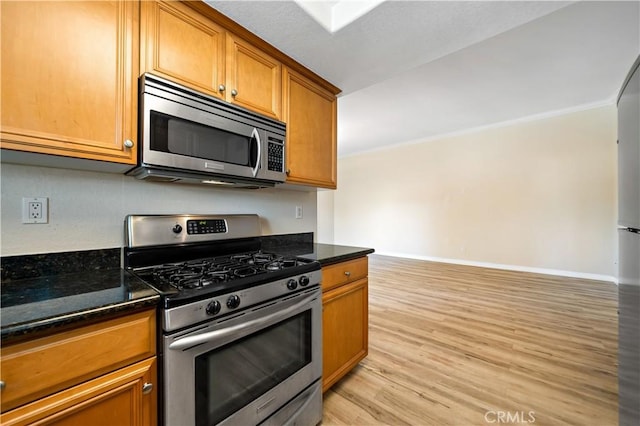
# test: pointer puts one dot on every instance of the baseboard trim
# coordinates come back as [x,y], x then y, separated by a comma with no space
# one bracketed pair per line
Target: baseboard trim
[557,272]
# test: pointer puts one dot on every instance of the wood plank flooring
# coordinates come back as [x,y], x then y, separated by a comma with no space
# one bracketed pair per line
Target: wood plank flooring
[459,345]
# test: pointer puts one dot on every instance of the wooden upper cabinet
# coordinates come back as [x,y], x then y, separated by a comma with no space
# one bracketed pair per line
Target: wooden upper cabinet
[189,48]
[311,116]
[69,78]
[182,45]
[253,78]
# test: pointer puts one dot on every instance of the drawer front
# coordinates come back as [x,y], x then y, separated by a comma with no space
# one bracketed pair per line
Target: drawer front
[344,272]
[40,367]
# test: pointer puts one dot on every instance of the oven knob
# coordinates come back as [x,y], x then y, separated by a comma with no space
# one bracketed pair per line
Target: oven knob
[292,284]
[213,308]
[177,229]
[233,302]
[304,280]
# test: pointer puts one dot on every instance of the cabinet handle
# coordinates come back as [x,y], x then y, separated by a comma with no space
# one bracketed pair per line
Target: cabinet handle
[128,143]
[347,273]
[147,388]
[234,92]
[1,384]
[221,88]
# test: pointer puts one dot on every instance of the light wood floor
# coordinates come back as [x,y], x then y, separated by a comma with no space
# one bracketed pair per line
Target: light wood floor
[454,345]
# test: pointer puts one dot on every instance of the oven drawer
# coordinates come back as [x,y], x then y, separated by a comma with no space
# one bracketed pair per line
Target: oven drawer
[344,272]
[43,366]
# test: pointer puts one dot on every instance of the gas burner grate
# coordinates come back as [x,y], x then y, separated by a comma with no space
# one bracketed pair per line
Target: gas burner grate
[205,272]
[279,264]
[247,272]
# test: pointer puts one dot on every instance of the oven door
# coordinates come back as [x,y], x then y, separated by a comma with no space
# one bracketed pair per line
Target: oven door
[242,369]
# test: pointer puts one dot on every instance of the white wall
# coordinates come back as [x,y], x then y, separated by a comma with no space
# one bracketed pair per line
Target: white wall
[325,232]
[537,195]
[87,209]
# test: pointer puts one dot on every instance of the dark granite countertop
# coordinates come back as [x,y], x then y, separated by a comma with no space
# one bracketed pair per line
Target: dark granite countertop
[34,305]
[326,254]
[41,293]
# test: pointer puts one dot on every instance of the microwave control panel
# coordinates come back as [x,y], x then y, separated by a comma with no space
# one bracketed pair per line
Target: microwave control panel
[215,226]
[276,157]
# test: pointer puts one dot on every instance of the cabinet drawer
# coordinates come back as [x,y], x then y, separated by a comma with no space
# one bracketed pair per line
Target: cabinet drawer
[40,367]
[344,272]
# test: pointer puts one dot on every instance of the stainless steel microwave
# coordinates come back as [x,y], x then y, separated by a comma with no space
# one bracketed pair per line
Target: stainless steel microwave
[187,136]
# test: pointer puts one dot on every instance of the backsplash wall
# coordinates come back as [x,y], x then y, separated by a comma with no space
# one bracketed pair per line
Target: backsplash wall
[87,209]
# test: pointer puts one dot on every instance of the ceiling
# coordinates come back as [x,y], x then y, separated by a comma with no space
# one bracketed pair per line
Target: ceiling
[415,70]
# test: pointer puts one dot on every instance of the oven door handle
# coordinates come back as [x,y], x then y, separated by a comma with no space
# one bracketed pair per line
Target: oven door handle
[190,341]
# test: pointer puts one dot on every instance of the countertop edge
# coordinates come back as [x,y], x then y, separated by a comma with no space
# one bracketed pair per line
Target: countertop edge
[33,329]
[345,257]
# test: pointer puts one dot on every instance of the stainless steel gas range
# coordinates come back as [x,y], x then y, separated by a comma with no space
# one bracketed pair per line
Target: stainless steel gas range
[240,329]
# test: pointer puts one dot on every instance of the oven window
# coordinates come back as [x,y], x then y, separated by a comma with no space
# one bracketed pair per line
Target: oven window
[178,136]
[232,376]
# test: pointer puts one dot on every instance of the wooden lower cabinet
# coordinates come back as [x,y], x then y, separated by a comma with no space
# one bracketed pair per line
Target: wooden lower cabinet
[345,322]
[120,398]
[98,374]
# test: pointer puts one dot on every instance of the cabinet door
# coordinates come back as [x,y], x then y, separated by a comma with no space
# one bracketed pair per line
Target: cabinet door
[183,46]
[119,398]
[69,78]
[311,116]
[345,322]
[253,78]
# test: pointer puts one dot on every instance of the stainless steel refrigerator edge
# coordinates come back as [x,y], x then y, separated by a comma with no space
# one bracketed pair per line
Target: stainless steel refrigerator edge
[629,249]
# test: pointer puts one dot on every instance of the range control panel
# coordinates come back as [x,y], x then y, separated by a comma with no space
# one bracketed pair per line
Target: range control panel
[206,226]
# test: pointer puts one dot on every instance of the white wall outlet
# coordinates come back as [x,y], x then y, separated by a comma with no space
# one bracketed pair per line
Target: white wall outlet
[35,210]
[298,212]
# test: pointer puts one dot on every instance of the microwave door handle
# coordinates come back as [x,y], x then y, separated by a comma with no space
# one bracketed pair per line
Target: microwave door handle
[255,137]
[187,342]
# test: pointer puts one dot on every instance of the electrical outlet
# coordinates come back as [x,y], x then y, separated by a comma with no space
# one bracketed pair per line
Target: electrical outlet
[298,212]
[35,210]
